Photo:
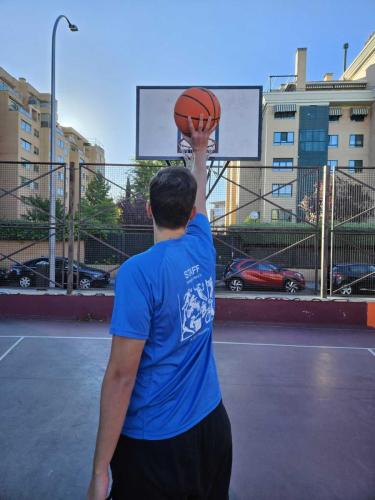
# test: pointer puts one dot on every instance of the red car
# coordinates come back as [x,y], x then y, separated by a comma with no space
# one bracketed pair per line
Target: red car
[249,273]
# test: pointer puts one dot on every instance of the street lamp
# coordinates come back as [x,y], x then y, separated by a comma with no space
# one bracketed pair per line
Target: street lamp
[52,185]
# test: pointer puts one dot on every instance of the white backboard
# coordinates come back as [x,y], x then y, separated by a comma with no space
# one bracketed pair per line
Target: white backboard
[238,135]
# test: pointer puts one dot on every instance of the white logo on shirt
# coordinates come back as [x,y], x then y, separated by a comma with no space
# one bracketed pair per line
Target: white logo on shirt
[198,308]
[192,271]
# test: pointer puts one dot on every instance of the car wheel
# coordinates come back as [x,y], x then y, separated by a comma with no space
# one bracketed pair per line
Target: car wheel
[84,283]
[24,282]
[291,286]
[346,290]
[235,285]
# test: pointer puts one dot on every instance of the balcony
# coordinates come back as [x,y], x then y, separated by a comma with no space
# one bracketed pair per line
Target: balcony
[5,87]
[34,100]
[14,106]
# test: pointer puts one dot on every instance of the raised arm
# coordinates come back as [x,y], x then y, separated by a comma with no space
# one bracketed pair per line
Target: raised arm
[199,140]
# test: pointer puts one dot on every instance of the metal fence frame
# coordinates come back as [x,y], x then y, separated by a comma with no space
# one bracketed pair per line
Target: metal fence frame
[333,228]
[324,231]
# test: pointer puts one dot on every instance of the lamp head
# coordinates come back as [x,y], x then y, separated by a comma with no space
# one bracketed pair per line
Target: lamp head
[73,27]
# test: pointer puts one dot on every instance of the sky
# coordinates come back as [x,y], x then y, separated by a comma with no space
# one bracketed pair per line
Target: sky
[124,43]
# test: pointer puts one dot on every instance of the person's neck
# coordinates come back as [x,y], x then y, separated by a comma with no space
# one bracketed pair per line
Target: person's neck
[163,234]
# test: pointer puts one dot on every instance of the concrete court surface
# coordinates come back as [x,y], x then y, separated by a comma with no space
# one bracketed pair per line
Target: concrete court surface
[301,401]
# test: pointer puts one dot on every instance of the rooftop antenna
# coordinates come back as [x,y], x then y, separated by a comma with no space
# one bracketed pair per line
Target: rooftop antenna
[345,47]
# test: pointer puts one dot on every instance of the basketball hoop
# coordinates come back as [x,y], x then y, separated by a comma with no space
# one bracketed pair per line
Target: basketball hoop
[185,149]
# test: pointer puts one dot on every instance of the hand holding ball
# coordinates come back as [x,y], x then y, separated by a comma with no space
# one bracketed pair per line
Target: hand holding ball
[199,103]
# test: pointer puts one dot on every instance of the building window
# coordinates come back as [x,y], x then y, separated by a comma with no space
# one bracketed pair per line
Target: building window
[313,140]
[60,191]
[282,190]
[60,175]
[46,118]
[355,166]
[332,164]
[277,214]
[358,114]
[60,159]
[60,143]
[284,114]
[36,168]
[36,150]
[356,140]
[34,186]
[26,126]
[83,189]
[25,145]
[282,164]
[26,165]
[283,138]
[333,141]
[357,118]
[36,132]
[334,118]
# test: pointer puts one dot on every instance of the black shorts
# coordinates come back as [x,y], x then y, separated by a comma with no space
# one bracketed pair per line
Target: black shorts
[195,465]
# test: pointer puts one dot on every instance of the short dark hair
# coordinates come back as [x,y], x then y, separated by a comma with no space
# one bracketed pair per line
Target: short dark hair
[172,197]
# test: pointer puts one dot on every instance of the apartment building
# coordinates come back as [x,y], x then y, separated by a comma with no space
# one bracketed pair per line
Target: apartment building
[25,124]
[308,124]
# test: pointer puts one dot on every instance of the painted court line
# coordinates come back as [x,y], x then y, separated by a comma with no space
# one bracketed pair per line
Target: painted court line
[222,342]
[294,345]
[11,348]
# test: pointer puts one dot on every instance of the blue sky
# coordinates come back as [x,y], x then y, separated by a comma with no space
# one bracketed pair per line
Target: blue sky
[126,43]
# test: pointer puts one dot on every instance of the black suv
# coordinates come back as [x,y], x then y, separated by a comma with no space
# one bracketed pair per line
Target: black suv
[343,276]
[88,276]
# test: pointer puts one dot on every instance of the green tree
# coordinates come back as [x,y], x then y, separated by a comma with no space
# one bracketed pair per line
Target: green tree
[38,210]
[143,172]
[97,207]
[128,190]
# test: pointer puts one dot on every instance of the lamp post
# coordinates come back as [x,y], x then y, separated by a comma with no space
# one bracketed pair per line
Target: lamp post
[52,185]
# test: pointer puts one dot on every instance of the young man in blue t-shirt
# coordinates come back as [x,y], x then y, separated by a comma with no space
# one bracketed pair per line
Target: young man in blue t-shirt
[163,429]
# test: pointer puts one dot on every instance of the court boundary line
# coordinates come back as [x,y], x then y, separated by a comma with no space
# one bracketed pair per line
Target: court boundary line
[11,348]
[220,342]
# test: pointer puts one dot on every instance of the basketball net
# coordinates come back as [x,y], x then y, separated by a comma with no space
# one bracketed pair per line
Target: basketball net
[187,152]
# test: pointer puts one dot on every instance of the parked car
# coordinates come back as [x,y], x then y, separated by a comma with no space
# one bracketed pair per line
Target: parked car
[345,276]
[3,277]
[249,273]
[88,276]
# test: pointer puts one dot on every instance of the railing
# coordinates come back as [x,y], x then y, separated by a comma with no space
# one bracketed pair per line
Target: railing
[7,88]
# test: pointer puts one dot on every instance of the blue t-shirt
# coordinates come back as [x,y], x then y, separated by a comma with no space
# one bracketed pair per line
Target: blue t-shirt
[166,296]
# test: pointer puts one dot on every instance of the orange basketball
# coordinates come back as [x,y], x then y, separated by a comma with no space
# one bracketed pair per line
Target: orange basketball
[194,102]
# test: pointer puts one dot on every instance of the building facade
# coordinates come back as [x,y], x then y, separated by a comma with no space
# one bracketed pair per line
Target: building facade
[25,137]
[308,124]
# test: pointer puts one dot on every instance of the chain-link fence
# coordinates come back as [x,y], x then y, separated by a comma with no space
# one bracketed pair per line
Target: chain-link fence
[266,221]
[26,227]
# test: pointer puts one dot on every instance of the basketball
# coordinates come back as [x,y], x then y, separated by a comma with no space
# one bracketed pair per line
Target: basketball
[194,102]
